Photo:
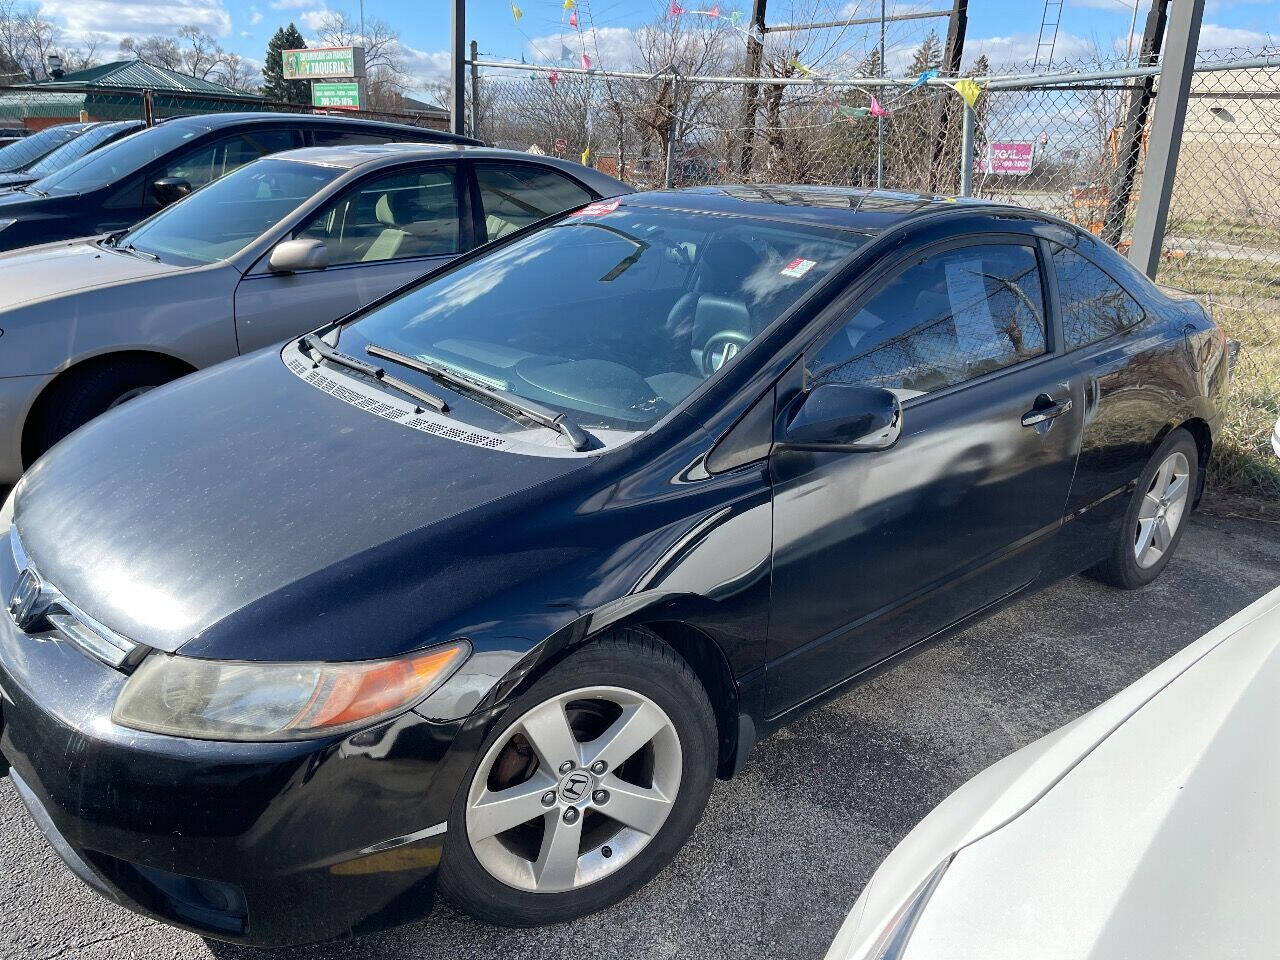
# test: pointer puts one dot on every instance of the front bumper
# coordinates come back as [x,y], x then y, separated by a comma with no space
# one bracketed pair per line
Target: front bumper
[262,843]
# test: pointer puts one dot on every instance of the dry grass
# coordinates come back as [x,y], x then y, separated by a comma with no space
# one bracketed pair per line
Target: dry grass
[1245,299]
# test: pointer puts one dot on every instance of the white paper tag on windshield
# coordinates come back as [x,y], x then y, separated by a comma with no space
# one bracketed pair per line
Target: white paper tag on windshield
[798,267]
[970,307]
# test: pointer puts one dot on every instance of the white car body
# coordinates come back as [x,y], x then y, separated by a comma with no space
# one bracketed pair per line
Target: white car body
[1147,829]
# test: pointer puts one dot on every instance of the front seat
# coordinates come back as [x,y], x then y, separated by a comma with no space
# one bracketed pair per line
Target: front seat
[393,210]
[718,305]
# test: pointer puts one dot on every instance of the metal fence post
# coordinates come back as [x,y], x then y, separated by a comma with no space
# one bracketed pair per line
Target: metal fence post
[673,127]
[1166,134]
[966,151]
[148,108]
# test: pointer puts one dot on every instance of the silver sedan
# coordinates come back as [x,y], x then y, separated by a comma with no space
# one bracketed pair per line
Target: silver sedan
[1145,829]
[276,248]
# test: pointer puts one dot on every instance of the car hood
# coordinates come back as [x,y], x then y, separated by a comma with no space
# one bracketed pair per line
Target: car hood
[68,267]
[1144,828]
[244,514]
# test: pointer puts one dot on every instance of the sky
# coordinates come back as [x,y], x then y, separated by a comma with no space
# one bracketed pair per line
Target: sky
[1006,30]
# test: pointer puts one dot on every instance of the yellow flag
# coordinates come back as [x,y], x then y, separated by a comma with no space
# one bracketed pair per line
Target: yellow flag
[969,90]
[516,12]
[586,157]
[802,68]
[569,4]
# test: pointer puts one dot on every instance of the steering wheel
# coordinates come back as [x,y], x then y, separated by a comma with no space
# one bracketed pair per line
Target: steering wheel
[722,347]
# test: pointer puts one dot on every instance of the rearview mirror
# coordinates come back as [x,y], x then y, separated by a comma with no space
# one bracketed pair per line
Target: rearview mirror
[847,415]
[169,189]
[289,256]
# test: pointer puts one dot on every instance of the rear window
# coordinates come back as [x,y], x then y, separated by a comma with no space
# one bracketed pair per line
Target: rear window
[120,159]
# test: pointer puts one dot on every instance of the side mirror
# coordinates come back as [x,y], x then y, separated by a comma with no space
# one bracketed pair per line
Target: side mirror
[290,256]
[169,189]
[847,415]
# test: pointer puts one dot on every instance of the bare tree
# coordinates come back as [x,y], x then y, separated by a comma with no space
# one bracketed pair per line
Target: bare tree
[196,53]
[385,73]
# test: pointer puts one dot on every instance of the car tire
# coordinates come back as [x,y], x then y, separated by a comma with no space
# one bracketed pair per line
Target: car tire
[85,394]
[634,667]
[1130,565]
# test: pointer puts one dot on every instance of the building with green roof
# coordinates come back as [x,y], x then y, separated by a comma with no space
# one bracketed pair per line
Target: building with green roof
[112,92]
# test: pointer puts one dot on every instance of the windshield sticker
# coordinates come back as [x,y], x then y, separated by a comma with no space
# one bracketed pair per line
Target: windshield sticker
[798,267]
[598,209]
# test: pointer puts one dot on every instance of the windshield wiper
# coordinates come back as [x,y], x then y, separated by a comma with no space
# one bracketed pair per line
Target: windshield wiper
[311,342]
[130,248]
[560,422]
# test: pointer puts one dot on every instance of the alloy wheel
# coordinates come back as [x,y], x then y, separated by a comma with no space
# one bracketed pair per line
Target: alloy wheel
[1162,509]
[574,789]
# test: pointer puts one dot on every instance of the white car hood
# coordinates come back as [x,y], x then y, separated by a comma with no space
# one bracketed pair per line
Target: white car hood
[1145,829]
[58,269]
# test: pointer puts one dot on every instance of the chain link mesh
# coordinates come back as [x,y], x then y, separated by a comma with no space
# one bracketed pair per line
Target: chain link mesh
[1086,142]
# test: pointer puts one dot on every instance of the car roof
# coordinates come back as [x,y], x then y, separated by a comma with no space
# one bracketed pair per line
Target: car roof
[848,208]
[218,121]
[382,154]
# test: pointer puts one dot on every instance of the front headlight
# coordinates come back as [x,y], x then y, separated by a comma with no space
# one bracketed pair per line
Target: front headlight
[237,700]
[892,942]
[6,224]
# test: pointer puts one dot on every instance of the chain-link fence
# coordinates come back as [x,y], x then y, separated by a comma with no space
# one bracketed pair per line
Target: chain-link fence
[37,106]
[1072,144]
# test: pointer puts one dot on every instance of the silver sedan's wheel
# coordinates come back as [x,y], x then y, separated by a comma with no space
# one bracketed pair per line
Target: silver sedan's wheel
[1162,510]
[574,789]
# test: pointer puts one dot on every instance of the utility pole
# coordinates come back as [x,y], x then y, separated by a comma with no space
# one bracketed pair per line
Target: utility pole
[1166,134]
[952,56]
[475,90]
[1129,147]
[751,93]
[458,69]
[880,120]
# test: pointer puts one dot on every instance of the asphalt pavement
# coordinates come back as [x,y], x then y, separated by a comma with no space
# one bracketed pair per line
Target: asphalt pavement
[785,849]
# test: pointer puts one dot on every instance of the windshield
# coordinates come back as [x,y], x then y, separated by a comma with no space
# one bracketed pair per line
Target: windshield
[119,159]
[77,147]
[612,315]
[222,218]
[19,154]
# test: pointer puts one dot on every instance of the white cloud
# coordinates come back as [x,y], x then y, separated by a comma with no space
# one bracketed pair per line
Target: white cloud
[255,18]
[610,48]
[1122,7]
[1019,49]
[424,66]
[290,4]
[1214,36]
[114,19]
[313,19]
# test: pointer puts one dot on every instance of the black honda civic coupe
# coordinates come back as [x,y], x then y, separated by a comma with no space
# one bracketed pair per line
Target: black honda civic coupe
[477,591]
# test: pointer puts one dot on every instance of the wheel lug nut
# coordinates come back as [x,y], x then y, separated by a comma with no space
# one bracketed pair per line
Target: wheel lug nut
[600,797]
[599,767]
[548,798]
[571,815]
[566,766]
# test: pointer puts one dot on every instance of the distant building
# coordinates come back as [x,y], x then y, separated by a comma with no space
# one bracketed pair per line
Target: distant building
[105,93]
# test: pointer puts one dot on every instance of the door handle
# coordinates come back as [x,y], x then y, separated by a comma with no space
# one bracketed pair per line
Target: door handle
[1045,409]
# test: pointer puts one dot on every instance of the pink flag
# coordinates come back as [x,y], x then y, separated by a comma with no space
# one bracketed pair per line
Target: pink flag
[573,19]
[553,78]
[676,9]
[714,11]
[877,110]
[586,60]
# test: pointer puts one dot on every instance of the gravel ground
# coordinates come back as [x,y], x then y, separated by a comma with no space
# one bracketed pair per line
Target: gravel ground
[785,849]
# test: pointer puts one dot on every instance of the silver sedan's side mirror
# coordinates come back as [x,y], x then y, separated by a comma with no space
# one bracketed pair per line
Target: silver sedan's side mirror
[289,256]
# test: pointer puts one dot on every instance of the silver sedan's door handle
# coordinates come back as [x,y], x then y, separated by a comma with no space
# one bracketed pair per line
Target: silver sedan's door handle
[1045,409]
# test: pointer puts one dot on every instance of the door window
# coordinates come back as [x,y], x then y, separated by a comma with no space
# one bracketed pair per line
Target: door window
[513,195]
[1093,305]
[394,216]
[949,318]
[205,164]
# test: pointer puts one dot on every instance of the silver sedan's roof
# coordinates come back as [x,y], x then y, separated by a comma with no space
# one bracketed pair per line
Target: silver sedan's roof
[373,155]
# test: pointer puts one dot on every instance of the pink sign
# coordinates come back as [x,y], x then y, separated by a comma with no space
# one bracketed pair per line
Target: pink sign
[1010,158]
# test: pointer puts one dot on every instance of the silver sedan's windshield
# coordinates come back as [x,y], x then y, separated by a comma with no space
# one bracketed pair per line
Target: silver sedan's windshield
[221,219]
[612,315]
